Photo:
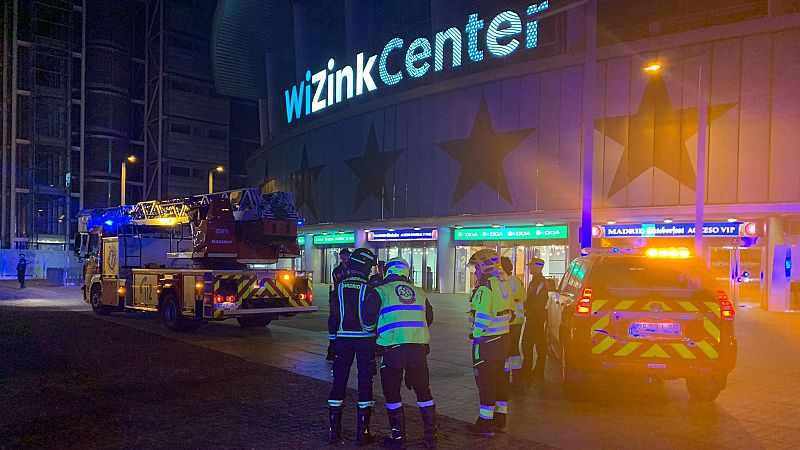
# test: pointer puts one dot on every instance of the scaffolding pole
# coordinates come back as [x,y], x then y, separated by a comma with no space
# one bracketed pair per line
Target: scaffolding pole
[154,100]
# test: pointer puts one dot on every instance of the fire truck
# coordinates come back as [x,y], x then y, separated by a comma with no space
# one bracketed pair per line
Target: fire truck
[193,260]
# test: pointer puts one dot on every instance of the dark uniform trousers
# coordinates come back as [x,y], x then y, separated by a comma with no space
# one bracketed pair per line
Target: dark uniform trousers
[488,358]
[534,337]
[411,359]
[363,351]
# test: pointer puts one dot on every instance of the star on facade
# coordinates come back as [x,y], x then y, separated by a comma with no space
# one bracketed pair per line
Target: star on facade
[481,155]
[371,170]
[656,136]
[303,181]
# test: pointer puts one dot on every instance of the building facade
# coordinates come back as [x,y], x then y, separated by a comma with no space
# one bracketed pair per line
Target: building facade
[88,83]
[469,151]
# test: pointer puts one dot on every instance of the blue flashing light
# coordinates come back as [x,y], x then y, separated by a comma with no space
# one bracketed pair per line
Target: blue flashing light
[300,223]
[746,274]
[109,222]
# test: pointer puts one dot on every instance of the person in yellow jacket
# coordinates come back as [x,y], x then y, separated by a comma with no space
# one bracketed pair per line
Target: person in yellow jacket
[403,344]
[490,316]
[515,289]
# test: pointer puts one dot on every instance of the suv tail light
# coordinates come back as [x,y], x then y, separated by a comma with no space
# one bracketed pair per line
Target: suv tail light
[726,309]
[584,305]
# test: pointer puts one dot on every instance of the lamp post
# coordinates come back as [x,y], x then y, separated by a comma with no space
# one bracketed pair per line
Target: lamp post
[702,130]
[219,169]
[124,177]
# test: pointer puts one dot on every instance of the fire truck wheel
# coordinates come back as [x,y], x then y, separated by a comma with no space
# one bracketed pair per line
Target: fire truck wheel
[170,312]
[253,322]
[95,298]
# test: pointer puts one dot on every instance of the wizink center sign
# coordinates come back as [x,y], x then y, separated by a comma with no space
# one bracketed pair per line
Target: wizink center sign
[505,33]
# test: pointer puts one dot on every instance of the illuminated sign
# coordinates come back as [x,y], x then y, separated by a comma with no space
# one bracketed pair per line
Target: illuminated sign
[301,240]
[326,239]
[670,229]
[511,234]
[403,235]
[330,86]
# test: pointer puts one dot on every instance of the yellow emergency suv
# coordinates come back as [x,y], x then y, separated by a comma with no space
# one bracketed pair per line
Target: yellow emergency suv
[653,312]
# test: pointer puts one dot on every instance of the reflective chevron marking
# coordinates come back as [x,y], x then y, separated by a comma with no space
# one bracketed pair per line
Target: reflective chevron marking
[655,352]
[688,306]
[627,349]
[625,304]
[708,349]
[714,307]
[683,351]
[712,329]
[603,345]
[597,305]
[601,324]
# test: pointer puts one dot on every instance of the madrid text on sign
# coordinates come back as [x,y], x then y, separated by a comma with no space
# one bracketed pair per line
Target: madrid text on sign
[671,229]
[333,86]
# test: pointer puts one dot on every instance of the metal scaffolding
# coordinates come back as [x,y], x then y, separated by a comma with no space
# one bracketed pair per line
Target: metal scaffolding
[154,100]
[43,81]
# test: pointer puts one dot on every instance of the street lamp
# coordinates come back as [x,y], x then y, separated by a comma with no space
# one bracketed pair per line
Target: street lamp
[219,169]
[124,178]
[702,129]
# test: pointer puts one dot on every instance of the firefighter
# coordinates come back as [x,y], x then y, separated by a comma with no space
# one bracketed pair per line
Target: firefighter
[490,315]
[516,290]
[403,343]
[377,278]
[339,273]
[536,315]
[352,322]
[22,267]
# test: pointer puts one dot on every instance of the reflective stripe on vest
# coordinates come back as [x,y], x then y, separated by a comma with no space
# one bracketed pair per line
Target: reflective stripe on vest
[365,331]
[402,316]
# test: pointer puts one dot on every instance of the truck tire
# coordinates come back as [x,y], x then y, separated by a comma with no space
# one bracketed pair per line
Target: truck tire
[253,322]
[96,300]
[705,389]
[170,312]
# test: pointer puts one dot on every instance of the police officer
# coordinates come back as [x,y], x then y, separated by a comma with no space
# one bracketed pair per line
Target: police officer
[491,315]
[352,322]
[338,274]
[536,315]
[22,266]
[516,291]
[403,339]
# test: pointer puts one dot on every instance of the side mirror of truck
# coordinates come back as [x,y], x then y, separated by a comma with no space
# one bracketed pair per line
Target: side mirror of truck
[76,245]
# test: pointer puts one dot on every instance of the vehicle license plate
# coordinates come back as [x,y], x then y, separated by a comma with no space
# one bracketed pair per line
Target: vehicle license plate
[654,329]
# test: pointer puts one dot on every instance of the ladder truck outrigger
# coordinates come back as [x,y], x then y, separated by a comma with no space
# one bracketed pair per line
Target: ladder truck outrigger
[192,260]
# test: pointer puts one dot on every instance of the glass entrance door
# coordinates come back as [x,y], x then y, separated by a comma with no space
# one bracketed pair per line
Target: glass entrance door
[739,270]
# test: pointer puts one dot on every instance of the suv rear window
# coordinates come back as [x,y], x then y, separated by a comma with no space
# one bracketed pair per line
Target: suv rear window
[635,272]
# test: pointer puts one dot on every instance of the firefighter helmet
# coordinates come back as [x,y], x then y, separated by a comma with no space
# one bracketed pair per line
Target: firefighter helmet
[361,261]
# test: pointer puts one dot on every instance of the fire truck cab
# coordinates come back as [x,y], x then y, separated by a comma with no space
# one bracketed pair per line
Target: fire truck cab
[197,259]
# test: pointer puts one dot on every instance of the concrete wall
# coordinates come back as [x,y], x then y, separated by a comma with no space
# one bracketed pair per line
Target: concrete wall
[38,263]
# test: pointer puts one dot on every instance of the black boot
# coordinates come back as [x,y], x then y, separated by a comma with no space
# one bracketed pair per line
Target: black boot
[499,422]
[482,427]
[363,436]
[335,418]
[430,427]
[397,420]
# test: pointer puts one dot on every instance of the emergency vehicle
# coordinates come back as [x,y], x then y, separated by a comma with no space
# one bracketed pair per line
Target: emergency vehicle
[192,260]
[655,313]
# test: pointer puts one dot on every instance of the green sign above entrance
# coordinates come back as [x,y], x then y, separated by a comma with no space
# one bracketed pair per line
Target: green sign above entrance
[328,239]
[511,234]
[301,240]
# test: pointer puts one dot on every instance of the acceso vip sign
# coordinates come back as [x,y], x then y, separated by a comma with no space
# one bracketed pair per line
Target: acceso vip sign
[328,86]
